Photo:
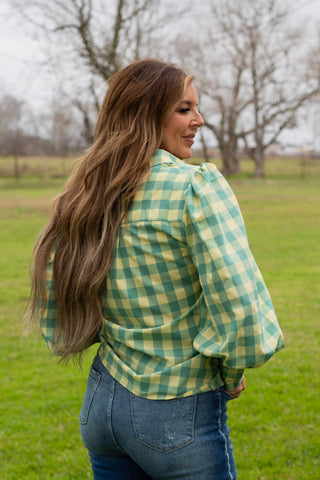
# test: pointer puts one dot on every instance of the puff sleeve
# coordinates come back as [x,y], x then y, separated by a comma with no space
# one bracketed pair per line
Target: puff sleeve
[238,326]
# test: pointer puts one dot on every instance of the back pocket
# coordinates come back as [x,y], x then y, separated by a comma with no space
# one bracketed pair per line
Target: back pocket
[164,425]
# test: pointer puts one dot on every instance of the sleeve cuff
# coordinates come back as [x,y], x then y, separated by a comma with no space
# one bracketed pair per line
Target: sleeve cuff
[231,377]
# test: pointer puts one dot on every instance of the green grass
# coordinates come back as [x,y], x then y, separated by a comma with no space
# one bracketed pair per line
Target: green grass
[40,400]
[278,414]
[274,424]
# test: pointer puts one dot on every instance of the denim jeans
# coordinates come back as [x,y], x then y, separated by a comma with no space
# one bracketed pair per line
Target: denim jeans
[131,438]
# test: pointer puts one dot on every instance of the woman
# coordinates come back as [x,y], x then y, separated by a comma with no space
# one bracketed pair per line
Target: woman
[148,256]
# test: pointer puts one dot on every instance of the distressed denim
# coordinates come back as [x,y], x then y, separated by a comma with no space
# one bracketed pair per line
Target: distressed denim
[130,437]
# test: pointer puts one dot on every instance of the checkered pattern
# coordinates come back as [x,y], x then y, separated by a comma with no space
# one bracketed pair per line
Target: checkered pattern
[186,308]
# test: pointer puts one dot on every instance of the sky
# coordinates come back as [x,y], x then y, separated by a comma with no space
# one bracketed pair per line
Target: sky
[18,55]
[21,73]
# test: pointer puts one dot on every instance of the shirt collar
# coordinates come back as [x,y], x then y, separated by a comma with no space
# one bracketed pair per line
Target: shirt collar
[163,157]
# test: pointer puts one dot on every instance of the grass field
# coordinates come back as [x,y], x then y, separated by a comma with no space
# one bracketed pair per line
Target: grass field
[274,424]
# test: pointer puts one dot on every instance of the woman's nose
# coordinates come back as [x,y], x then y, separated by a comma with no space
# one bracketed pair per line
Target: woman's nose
[197,120]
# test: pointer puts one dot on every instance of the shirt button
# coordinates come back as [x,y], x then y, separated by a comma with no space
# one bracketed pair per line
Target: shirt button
[203,168]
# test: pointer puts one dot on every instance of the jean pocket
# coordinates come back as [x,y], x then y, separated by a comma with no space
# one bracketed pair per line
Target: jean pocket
[92,385]
[164,425]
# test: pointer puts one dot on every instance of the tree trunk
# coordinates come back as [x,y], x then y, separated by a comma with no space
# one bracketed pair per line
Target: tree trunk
[16,167]
[230,160]
[204,147]
[259,162]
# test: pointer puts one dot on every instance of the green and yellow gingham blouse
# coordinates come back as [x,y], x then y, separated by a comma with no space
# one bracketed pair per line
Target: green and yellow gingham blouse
[186,309]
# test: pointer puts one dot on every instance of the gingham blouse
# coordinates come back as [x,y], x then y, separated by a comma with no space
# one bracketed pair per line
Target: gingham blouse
[186,309]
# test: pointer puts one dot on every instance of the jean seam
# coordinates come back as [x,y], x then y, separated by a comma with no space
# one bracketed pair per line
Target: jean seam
[97,377]
[224,438]
[109,416]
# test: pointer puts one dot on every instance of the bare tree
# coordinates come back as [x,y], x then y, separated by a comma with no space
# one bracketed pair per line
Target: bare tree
[11,129]
[18,130]
[64,132]
[253,80]
[280,81]
[95,34]
[218,84]
[221,65]
[86,41]
[226,103]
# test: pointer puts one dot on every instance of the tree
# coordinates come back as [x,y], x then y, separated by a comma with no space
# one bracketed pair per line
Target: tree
[63,133]
[11,112]
[279,78]
[225,100]
[218,85]
[254,79]
[19,130]
[84,42]
[87,41]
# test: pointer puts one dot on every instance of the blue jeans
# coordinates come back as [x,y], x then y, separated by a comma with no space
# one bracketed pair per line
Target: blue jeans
[131,438]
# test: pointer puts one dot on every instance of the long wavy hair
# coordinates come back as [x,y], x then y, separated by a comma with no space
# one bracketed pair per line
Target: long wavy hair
[86,215]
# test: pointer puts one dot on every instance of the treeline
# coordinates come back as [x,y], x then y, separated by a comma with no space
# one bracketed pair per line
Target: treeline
[255,63]
[24,132]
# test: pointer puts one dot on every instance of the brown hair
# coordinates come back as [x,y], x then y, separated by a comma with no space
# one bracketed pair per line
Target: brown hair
[86,216]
